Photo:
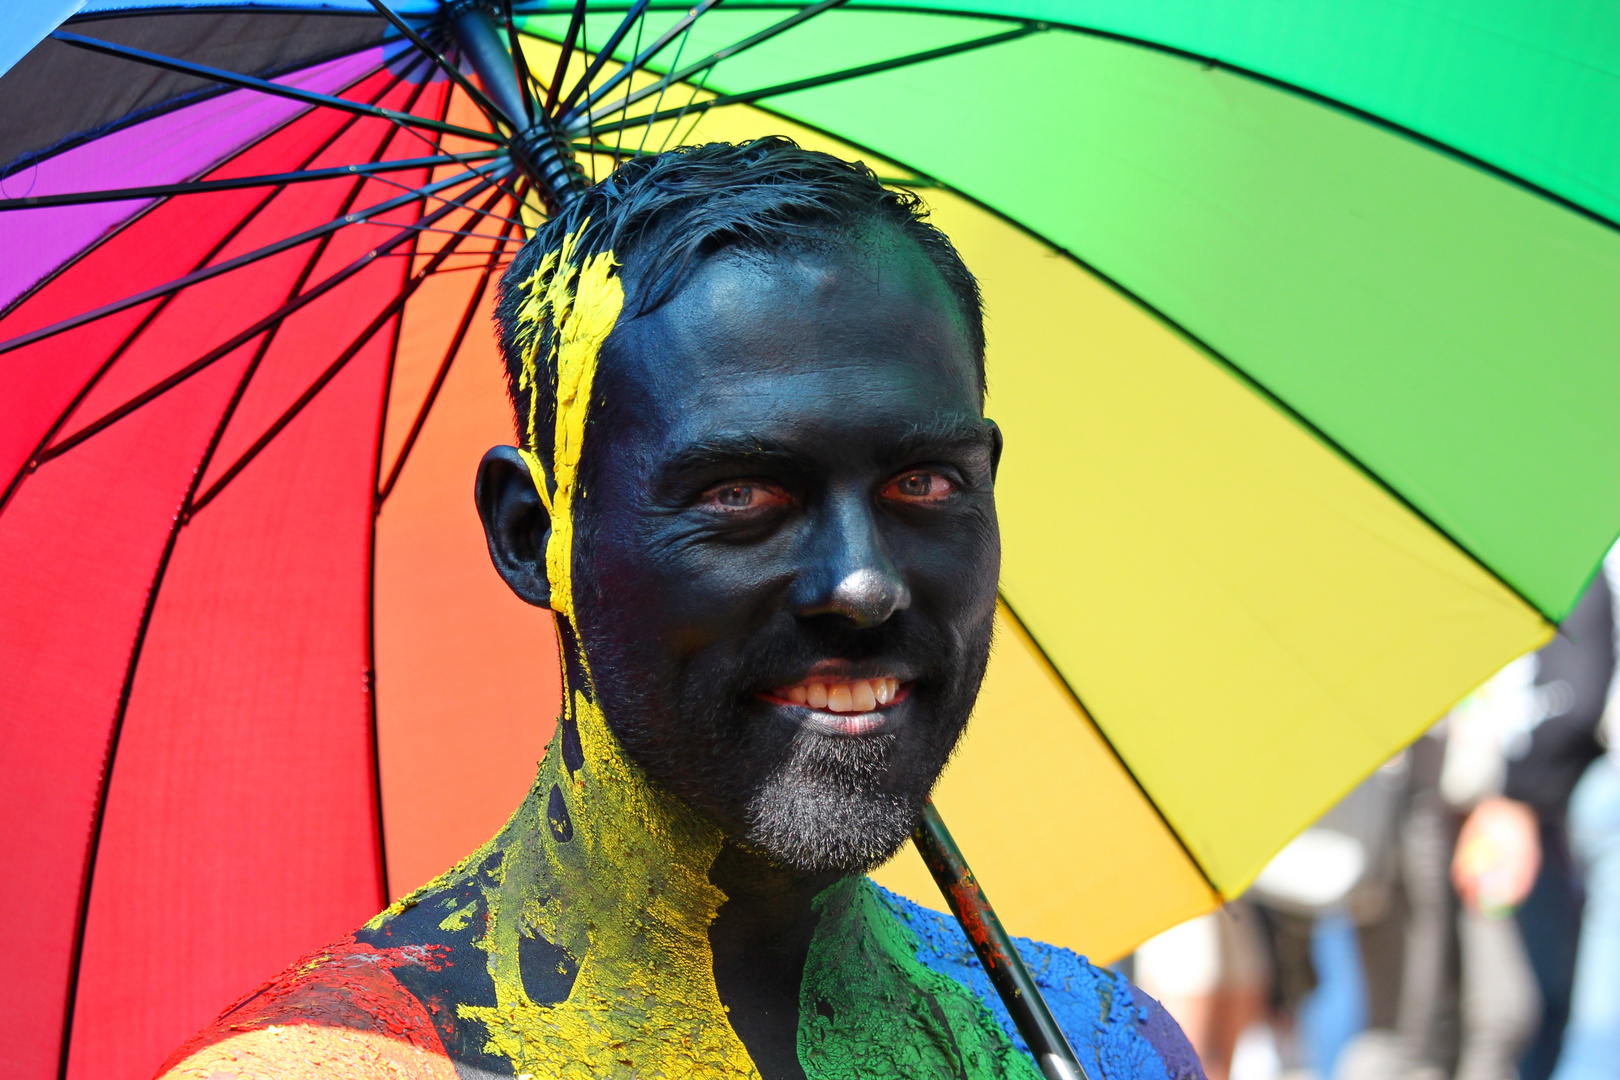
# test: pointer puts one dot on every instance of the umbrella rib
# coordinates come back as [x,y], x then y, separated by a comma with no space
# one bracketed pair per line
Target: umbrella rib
[450,354]
[662,86]
[491,111]
[248,82]
[605,53]
[572,117]
[236,341]
[244,259]
[319,249]
[683,74]
[814,81]
[450,232]
[575,22]
[394,81]
[230,234]
[1080,704]
[618,136]
[235,183]
[511,193]
[520,66]
[371,563]
[675,128]
[354,347]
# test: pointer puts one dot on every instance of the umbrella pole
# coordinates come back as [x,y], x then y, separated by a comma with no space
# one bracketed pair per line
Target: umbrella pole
[539,146]
[995,949]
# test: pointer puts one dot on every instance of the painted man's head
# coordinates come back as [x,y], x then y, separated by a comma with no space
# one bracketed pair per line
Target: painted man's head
[749,380]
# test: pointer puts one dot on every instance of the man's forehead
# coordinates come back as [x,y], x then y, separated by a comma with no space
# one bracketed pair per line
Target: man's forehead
[696,443]
[812,324]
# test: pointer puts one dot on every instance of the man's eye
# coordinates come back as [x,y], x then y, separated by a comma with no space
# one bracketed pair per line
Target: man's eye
[919,486]
[744,495]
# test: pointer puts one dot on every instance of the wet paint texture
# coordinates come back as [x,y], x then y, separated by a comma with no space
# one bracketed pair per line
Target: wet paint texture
[624,902]
[1116,1030]
[869,1008]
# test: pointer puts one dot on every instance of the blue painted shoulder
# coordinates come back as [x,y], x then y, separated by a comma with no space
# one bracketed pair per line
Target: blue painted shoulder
[1118,1032]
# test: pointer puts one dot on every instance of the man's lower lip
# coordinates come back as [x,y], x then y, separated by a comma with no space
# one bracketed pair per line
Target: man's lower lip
[845,725]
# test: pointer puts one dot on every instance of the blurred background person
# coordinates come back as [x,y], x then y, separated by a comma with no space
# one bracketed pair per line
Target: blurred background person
[1492,867]
[1213,975]
[1548,847]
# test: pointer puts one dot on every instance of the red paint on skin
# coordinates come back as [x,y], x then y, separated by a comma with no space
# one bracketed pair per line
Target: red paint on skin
[347,985]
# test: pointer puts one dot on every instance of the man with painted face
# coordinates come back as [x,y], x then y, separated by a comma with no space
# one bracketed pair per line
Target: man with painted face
[755,484]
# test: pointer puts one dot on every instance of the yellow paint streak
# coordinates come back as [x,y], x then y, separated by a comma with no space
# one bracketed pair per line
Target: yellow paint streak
[581,299]
[629,895]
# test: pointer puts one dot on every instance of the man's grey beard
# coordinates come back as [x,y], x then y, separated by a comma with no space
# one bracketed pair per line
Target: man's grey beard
[824,809]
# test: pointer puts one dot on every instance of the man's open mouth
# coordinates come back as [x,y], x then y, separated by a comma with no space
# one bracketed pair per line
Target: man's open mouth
[855,705]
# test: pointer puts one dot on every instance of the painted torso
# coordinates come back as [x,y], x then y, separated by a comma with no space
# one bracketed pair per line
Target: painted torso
[575,944]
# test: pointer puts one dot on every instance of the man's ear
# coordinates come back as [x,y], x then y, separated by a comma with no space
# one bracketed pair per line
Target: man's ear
[516,523]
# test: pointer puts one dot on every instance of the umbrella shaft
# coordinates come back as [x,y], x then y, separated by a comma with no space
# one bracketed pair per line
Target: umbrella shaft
[540,148]
[995,949]
[480,40]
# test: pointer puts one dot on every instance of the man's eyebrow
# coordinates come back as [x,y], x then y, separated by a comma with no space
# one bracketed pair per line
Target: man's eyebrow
[732,450]
[945,430]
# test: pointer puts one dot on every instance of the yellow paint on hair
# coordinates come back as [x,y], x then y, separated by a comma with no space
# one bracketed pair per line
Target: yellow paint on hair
[582,299]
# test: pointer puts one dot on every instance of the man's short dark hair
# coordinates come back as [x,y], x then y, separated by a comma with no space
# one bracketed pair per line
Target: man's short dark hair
[661,214]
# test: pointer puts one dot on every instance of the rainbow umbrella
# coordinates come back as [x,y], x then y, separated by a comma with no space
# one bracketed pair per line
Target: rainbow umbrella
[1303,334]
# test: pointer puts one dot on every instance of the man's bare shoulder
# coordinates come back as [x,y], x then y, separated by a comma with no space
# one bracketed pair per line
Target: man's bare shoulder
[383,1002]
[339,1012]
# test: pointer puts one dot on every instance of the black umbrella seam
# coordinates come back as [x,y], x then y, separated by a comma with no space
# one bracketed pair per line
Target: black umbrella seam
[372,735]
[1119,759]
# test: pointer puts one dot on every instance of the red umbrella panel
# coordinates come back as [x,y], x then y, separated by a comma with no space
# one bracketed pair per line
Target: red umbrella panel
[244,478]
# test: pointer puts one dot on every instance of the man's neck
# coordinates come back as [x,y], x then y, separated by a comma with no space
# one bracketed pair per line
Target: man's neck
[760,939]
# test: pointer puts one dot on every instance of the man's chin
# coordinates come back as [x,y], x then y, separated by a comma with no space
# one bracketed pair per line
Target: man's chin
[828,809]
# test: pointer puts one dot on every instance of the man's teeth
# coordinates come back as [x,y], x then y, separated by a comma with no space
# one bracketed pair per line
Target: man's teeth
[862,695]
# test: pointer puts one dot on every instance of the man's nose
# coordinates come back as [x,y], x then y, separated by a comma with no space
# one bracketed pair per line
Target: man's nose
[851,574]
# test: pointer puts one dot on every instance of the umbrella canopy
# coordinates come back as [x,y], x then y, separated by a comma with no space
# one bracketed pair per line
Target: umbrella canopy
[1301,330]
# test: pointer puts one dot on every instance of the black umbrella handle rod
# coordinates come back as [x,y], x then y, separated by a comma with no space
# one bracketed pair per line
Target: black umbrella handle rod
[995,949]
